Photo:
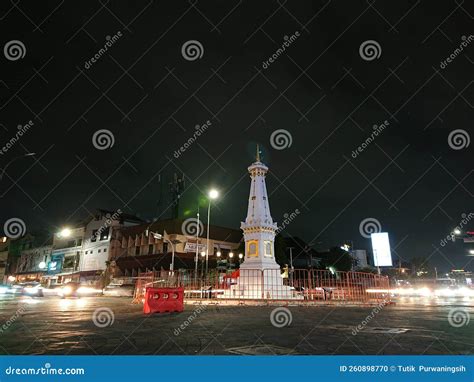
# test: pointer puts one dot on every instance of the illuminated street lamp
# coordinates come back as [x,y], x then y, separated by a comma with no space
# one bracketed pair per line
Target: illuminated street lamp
[457,231]
[218,254]
[213,194]
[65,232]
[240,257]
[471,251]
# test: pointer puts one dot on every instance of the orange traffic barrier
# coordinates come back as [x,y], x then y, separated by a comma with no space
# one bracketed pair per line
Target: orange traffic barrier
[161,300]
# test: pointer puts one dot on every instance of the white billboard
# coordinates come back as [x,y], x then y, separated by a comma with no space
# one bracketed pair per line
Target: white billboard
[381,249]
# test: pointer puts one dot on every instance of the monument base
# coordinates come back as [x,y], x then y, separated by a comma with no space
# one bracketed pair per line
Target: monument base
[261,284]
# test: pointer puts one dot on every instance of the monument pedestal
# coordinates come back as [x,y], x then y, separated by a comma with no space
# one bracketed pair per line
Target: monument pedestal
[261,284]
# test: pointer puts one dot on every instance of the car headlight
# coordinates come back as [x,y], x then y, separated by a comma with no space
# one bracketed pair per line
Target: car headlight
[67,290]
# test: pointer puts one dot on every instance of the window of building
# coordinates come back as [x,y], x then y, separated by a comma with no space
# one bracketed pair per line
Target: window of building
[94,235]
[68,262]
[79,242]
[165,247]
[105,249]
[104,235]
[99,250]
[71,243]
[150,249]
[268,248]
[137,250]
[86,252]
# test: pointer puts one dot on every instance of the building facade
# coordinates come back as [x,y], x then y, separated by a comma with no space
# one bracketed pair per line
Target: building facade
[32,264]
[137,252]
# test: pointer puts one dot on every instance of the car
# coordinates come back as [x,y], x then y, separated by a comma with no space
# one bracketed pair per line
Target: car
[69,289]
[4,288]
[119,290]
[33,288]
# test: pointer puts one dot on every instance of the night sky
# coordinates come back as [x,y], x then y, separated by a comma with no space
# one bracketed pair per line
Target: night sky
[321,92]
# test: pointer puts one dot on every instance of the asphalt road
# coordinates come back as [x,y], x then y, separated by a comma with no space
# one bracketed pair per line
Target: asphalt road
[112,325]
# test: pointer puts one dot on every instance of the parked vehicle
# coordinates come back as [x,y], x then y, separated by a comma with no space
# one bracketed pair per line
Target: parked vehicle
[119,290]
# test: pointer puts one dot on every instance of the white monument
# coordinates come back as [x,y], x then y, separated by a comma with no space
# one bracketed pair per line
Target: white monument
[260,275]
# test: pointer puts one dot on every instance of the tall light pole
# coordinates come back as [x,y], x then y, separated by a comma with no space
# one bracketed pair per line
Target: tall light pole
[196,260]
[13,160]
[213,194]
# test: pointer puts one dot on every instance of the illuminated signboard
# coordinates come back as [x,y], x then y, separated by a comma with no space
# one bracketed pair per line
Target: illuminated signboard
[381,249]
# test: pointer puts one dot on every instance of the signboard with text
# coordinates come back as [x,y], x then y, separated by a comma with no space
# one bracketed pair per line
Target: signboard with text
[191,247]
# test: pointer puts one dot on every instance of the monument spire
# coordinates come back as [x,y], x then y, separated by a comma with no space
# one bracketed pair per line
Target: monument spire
[257,157]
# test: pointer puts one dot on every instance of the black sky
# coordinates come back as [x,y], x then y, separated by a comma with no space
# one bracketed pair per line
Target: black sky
[320,90]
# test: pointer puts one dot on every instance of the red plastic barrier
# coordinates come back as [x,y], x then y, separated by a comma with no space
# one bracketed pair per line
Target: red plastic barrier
[161,300]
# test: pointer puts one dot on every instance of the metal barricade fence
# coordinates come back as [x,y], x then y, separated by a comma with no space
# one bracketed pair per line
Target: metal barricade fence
[301,286]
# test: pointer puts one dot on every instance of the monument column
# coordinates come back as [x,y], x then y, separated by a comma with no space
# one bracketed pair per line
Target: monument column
[258,227]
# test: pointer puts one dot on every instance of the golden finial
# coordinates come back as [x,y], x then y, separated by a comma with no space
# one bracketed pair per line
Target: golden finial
[258,154]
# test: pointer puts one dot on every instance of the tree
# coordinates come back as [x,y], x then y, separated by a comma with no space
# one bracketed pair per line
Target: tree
[336,258]
[281,256]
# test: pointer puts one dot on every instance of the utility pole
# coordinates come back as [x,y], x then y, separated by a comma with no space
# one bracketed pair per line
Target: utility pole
[291,265]
[196,260]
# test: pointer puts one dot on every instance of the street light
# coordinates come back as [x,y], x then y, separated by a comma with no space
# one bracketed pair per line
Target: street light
[240,257]
[213,194]
[457,231]
[471,251]
[218,254]
[13,160]
[65,232]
